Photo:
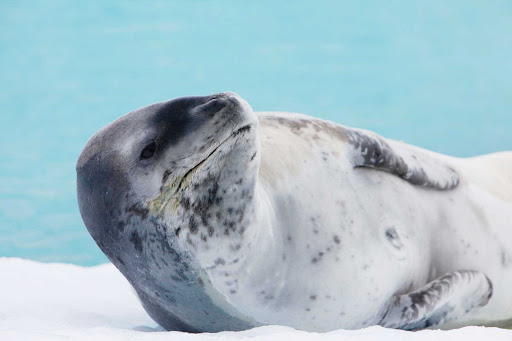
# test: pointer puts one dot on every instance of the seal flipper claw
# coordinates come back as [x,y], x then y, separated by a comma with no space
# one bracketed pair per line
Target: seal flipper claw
[444,299]
[409,163]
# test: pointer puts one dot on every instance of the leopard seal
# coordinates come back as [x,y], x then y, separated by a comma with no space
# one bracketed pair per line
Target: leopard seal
[226,219]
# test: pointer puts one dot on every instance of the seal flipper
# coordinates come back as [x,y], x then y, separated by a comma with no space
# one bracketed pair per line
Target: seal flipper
[411,164]
[444,299]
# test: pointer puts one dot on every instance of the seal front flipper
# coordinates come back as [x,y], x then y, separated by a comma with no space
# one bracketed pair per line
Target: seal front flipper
[411,164]
[444,299]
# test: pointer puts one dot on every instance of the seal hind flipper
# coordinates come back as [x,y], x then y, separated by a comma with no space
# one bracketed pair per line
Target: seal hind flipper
[444,299]
[412,165]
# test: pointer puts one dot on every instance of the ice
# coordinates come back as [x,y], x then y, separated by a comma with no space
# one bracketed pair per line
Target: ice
[41,301]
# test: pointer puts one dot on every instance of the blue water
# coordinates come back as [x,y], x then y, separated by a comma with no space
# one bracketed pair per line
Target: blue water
[437,74]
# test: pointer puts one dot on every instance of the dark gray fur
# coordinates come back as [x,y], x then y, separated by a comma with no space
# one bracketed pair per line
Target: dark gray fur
[374,152]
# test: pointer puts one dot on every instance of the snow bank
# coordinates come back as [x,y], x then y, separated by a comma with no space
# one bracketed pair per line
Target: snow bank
[59,301]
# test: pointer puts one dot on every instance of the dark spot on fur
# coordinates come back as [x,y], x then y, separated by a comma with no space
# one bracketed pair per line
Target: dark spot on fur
[231,226]
[393,238]
[120,260]
[177,231]
[185,202]
[192,225]
[138,210]
[189,240]
[312,297]
[220,261]
[242,130]
[136,241]
[171,299]
[336,239]
[120,225]
[166,176]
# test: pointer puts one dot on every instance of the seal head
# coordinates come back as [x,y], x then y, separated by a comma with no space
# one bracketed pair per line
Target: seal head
[146,184]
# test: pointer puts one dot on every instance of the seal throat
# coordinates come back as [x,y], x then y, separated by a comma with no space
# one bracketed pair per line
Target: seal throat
[171,193]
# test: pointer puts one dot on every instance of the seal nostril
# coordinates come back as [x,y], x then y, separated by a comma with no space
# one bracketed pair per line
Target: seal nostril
[213,106]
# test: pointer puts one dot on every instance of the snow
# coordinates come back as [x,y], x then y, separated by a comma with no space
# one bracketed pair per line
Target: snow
[40,301]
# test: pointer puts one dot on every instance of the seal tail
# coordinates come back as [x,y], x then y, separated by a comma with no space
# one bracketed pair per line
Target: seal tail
[444,299]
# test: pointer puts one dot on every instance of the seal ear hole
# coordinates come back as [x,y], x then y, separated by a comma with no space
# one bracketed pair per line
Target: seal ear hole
[393,238]
[148,151]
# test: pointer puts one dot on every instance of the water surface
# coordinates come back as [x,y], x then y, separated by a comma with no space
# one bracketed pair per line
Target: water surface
[436,74]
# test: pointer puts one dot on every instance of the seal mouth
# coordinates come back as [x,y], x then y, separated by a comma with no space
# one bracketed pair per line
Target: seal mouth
[181,182]
[170,193]
[193,169]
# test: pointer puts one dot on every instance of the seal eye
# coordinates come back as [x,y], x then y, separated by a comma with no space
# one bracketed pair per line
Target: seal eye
[148,151]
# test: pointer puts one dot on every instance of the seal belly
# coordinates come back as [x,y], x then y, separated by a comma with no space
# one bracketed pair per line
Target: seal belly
[323,238]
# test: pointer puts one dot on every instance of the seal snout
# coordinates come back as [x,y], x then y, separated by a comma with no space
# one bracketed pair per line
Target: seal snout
[220,101]
[214,105]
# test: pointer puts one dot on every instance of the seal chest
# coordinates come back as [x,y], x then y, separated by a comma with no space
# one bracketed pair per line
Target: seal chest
[223,219]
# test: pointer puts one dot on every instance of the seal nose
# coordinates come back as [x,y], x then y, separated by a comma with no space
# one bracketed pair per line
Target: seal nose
[217,102]
[213,106]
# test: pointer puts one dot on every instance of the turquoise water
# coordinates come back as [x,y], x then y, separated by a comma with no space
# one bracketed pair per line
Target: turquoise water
[437,74]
